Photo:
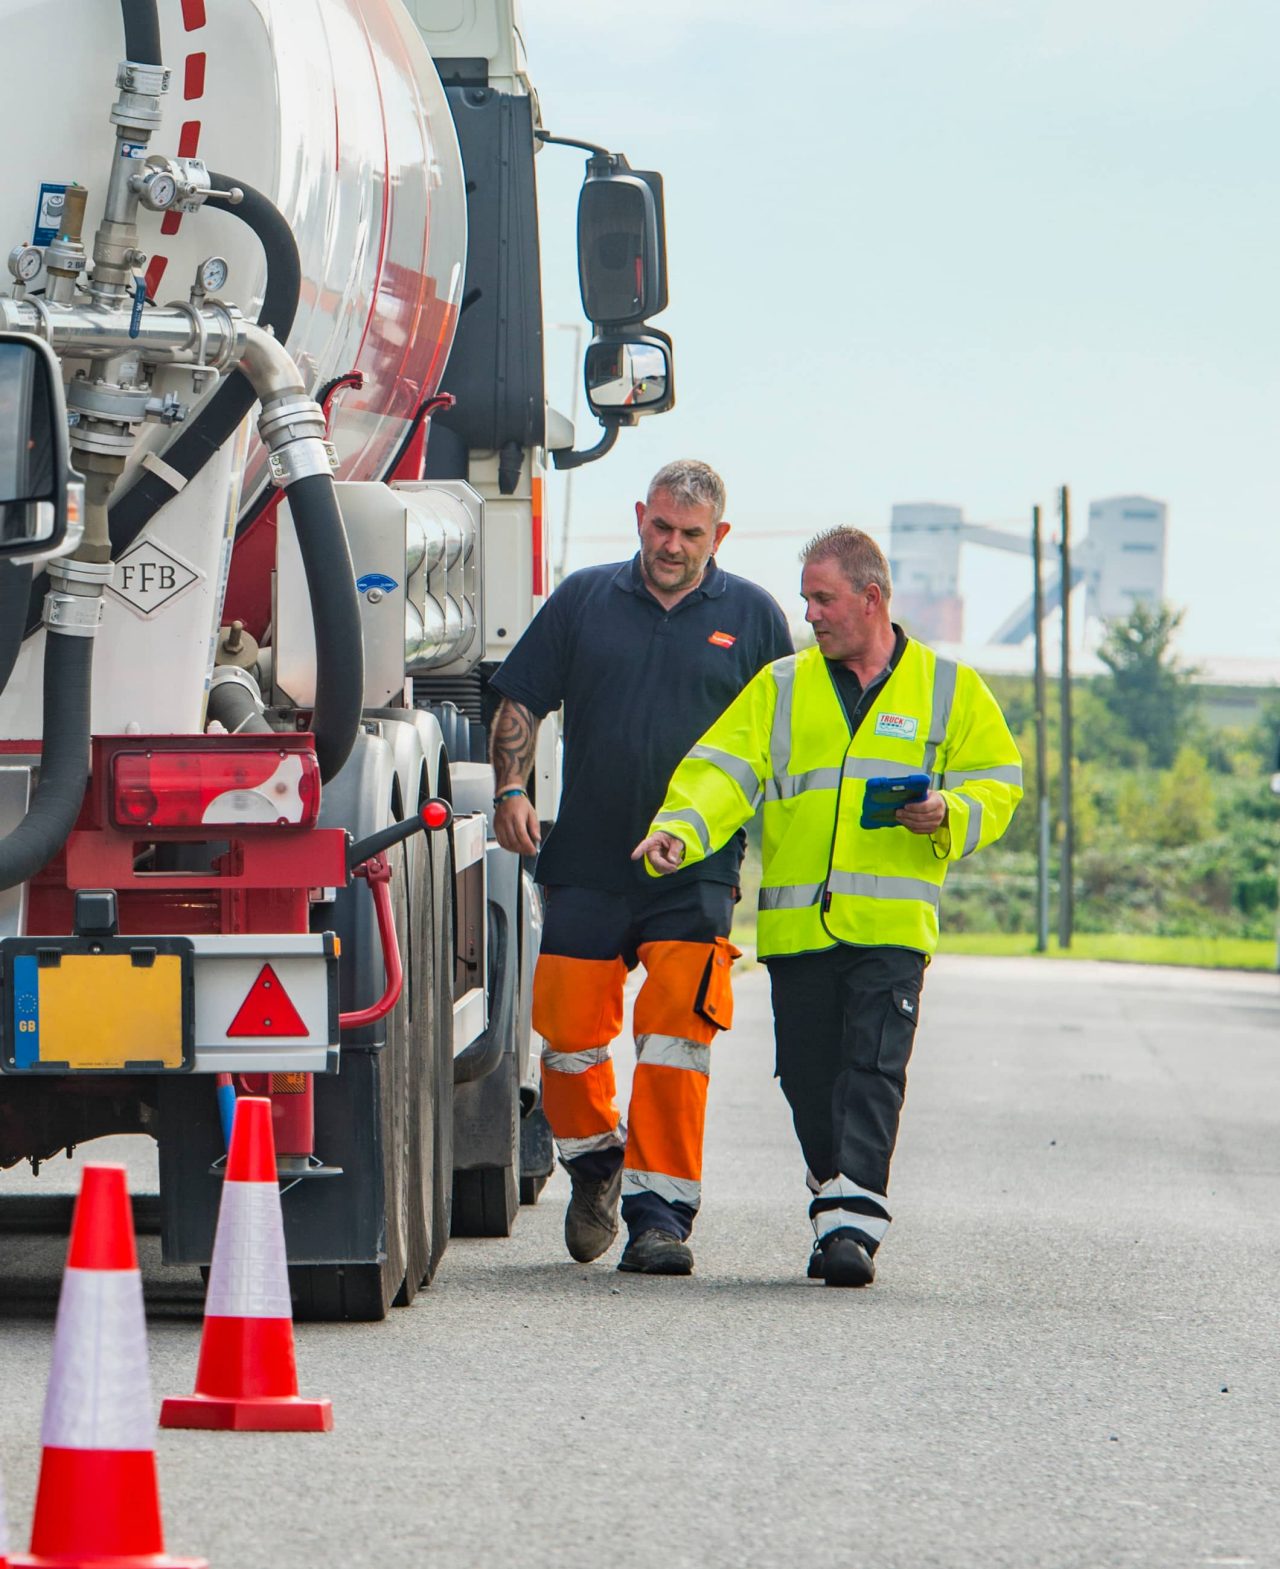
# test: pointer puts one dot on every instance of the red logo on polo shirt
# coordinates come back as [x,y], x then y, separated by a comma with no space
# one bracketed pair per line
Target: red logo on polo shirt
[722,639]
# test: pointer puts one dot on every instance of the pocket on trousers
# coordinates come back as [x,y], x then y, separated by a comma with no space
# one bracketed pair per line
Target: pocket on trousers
[898,1033]
[715,993]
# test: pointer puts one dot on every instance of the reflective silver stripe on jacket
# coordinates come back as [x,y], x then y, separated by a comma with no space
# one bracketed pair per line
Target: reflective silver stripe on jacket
[784,675]
[974,831]
[789,785]
[799,896]
[573,1061]
[676,1190]
[1007,773]
[944,696]
[868,886]
[791,896]
[739,771]
[694,820]
[570,1149]
[673,1051]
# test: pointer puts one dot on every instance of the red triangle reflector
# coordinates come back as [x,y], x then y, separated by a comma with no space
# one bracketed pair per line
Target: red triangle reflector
[267,1009]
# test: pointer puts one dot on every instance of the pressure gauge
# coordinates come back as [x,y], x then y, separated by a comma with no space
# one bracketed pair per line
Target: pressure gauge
[161,190]
[156,185]
[212,274]
[25,262]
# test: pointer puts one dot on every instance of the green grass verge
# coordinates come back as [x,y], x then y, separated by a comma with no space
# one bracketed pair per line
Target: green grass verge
[1209,953]
[1206,953]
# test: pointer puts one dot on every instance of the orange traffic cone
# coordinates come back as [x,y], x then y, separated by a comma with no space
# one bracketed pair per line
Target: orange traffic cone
[98,1503]
[4,1528]
[247,1379]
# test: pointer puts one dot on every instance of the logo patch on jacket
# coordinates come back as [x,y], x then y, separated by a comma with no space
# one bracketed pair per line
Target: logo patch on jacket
[722,639]
[899,725]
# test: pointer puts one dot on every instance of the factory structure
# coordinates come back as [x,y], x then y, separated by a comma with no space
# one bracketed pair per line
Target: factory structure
[1120,561]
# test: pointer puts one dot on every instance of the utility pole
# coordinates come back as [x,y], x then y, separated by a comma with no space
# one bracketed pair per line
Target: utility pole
[1042,772]
[1066,910]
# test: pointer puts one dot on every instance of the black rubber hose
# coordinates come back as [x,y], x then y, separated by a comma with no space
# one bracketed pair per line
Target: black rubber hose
[232,705]
[335,613]
[64,763]
[141,31]
[219,418]
[15,589]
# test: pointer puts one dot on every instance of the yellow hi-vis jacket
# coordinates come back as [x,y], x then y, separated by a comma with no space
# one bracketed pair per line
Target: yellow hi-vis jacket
[785,741]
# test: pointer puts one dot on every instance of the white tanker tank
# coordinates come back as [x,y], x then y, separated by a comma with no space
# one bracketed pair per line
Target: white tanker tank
[332,110]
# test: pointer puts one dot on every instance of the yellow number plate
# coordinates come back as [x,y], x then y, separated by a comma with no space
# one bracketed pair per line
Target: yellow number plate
[98,1012]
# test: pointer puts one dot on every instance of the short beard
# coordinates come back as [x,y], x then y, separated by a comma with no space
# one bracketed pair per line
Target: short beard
[690,577]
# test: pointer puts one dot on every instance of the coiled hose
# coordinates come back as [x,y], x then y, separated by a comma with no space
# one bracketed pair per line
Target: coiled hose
[220,417]
[335,612]
[64,763]
[15,587]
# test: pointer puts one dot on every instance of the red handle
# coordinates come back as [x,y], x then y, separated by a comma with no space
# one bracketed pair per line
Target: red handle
[378,874]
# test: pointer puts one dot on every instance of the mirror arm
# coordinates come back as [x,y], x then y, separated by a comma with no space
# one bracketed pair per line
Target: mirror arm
[575,460]
[568,141]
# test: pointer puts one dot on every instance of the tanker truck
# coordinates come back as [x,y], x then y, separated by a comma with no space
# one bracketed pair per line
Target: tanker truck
[273,443]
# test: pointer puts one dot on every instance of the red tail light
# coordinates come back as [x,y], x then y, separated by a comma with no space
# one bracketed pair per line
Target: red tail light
[215,788]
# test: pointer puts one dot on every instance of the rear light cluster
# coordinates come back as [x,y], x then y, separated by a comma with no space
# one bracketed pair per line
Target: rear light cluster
[215,788]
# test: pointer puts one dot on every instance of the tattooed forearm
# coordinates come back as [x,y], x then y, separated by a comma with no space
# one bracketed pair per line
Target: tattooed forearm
[511,743]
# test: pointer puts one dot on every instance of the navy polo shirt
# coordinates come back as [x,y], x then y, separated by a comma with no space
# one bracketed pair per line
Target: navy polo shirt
[639,685]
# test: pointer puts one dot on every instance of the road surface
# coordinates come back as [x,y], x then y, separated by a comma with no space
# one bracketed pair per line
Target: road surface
[1069,1358]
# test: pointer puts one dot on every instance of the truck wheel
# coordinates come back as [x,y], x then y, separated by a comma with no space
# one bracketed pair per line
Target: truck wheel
[486,1199]
[442,1109]
[420,961]
[379,1084]
[537,1154]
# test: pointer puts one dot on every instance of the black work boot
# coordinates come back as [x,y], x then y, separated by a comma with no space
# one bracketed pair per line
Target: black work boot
[842,1260]
[656,1252]
[591,1220]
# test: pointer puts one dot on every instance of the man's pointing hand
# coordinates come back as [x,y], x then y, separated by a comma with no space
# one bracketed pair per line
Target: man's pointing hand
[665,852]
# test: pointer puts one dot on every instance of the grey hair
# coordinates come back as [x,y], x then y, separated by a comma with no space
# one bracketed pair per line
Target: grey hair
[691,484]
[857,555]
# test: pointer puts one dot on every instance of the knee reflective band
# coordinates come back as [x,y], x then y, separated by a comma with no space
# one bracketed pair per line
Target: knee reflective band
[577,1009]
[668,1110]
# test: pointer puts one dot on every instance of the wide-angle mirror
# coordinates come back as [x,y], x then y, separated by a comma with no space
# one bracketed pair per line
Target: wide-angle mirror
[627,377]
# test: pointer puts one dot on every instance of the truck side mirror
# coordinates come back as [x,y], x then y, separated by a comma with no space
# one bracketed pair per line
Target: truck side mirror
[35,505]
[629,376]
[622,265]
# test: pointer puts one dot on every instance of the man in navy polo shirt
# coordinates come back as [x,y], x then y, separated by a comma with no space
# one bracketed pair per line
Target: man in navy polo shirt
[643,655]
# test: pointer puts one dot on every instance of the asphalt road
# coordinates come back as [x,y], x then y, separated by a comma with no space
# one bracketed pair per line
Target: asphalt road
[1069,1358]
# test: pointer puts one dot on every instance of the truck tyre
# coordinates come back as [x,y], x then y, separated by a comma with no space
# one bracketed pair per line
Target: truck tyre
[537,1154]
[430,1129]
[442,1111]
[486,1199]
[364,1291]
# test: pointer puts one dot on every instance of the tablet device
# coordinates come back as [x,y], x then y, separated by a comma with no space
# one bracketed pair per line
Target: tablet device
[884,796]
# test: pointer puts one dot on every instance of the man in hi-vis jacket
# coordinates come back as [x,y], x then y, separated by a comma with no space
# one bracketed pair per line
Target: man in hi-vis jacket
[848,913]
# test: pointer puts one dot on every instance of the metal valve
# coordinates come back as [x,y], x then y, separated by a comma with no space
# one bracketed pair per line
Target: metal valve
[164,183]
[168,410]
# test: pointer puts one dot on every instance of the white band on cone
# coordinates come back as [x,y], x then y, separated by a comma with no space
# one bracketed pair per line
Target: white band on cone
[4,1521]
[99,1385]
[249,1276]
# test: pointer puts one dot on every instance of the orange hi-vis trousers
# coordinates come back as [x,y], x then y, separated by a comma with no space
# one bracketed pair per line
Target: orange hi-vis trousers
[680,936]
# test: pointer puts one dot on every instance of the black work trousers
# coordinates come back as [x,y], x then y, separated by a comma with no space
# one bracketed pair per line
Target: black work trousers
[845,1022]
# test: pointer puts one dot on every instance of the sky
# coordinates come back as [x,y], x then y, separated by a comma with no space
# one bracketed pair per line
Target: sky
[964,251]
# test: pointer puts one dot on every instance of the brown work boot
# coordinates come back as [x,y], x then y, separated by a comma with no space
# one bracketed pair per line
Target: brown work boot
[657,1252]
[591,1220]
